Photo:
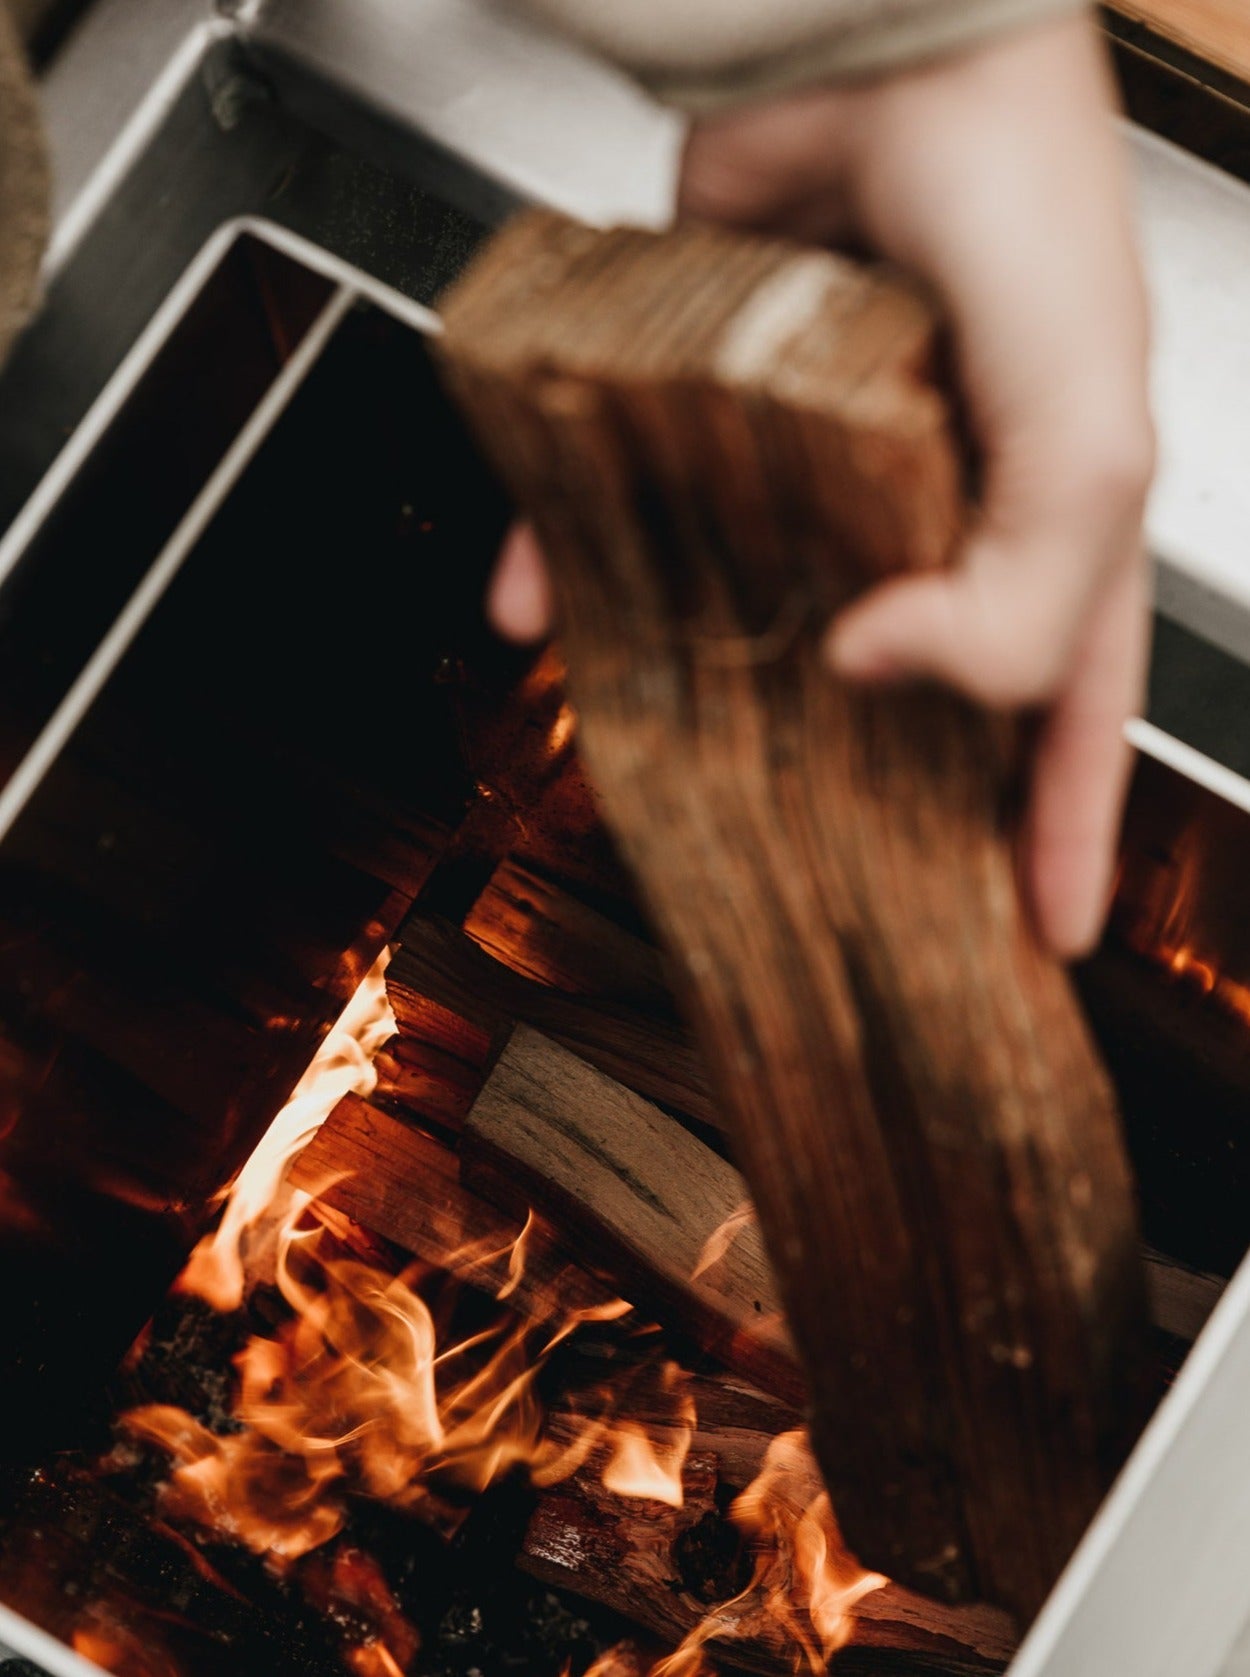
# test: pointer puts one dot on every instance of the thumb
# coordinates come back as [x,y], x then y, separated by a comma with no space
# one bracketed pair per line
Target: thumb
[994,628]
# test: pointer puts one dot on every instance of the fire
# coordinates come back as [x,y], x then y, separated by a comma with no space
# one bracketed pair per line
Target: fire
[1160,924]
[643,1466]
[358,1392]
[804,1580]
[353,1396]
[344,1064]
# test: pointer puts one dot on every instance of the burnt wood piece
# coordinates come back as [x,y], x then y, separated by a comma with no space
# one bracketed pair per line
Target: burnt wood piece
[640,1197]
[666,1568]
[405,1186]
[542,932]
[654,1056]
[721,441]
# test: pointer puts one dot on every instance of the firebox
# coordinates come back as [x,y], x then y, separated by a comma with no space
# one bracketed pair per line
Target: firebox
[300,878]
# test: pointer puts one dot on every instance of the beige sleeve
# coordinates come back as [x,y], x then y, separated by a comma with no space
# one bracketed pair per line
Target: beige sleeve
[701,54]
[23,186]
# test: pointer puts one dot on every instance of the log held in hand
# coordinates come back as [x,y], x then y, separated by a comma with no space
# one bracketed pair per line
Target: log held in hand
[721,441]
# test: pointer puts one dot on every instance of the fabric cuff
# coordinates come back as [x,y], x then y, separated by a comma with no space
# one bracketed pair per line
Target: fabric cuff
[873,47]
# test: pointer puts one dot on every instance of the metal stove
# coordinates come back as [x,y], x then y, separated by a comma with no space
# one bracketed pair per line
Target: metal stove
[251,199]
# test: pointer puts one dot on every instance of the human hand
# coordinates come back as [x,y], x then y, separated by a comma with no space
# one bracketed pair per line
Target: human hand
[999,177]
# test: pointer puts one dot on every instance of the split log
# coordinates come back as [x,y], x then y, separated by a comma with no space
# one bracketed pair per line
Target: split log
[642,1197]
[543,933]
[435,1064]
[721,441]
[667,1568]
[654,1056]
[405,1186]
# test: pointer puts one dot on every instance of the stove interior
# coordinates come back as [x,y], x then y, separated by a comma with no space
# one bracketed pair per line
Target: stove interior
[312,752]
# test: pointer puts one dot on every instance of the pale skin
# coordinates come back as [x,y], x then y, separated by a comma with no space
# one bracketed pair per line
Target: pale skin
[999,176]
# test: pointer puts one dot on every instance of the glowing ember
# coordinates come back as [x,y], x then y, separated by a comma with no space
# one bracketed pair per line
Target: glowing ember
[1161,926]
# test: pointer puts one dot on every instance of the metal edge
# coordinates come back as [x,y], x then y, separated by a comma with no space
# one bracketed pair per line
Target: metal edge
[108,404]
[1191,764]
[104,660]
[1158,1584]
[42,1649]
[519,102]
[104,410]
[331,267]
[75,217]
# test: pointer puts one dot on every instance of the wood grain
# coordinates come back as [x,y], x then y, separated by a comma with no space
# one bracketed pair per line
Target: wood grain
[721,441]
[640,1196]
[638,1048]
[1216,30]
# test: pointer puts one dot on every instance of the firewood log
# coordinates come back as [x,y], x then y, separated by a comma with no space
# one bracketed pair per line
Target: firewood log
[405,1186]
[665,1567]
[391,1178]
[721,441]
[641,1196]
[654,1056]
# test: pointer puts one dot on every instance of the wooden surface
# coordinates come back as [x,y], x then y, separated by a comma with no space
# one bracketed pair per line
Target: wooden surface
[405,1186]
[1217,30]
[720,442]
[636,1557]
[646,1052]
[392,1178]
[642,1196]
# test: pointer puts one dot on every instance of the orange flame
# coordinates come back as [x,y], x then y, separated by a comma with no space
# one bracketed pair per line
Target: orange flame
[642,1466]
[352,1396]
[1159,923]
[804,1579]
[344,1064]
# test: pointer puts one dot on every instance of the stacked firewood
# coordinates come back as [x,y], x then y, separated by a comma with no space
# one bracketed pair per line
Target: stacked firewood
[541,1077]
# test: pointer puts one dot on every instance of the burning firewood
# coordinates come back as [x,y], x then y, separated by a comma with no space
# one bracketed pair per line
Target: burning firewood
[406,1186]
[393,1178]
[758,1593]
[549,1130]
[931,1143]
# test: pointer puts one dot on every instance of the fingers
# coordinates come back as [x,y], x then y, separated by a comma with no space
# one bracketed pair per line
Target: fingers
[989,628]
[1004,625]
[775,167]
[518,601]
[1081,768]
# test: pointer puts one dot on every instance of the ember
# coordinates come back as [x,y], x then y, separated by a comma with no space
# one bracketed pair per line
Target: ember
[1159,918]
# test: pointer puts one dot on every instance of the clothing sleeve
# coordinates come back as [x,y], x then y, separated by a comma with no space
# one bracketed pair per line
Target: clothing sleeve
[704,54]
[24,187]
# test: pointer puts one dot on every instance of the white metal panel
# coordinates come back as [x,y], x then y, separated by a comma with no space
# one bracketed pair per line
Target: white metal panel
[1160,1585]
[520,103]
[1195,223]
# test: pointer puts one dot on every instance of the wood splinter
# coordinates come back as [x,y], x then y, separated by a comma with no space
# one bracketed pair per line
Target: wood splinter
[721,441]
